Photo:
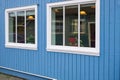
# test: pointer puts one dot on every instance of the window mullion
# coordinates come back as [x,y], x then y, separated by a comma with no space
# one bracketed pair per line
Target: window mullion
[16,26]
[63,25]
[78,25]
[25,26]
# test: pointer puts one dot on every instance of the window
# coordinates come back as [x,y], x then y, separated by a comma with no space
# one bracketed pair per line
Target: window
[21,27]
[73,27]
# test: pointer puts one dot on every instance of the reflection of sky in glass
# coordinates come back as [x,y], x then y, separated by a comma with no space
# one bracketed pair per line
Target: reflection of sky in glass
[30,27]
[86,30]
[12,35]
[71,25]
[21,27]
[57,26]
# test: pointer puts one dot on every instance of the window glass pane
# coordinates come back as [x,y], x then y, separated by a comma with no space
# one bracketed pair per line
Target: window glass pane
[20,27]
[87,25]
[12,28]
[30,26]
[57,26]
[71,25]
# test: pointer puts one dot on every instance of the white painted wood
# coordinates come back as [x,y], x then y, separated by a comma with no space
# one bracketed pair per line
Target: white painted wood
[23,72]
[20,45]
[63,25]
[25,25]
[69,49]
[78,25]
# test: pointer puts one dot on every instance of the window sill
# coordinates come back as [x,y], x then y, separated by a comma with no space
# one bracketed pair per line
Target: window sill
[74,50]
[21,46]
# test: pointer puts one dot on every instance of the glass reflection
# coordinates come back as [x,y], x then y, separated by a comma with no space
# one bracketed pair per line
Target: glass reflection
[71,25]
[87,25]
[30,26]
[20,27]
[57,26]
[12,28]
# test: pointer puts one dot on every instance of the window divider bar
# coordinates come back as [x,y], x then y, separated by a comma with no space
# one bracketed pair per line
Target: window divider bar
[78,25]
[16,26]
[25,26]
[63,25]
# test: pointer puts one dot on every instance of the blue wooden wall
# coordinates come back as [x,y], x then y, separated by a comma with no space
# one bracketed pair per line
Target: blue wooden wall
[66,66]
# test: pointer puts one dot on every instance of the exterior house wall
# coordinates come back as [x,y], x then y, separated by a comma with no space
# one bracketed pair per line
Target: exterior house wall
[65,66]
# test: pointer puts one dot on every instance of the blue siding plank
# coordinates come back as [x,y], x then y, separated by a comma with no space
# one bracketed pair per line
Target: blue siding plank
[43,25]
[78,67]
[37,63]
[102,27]
[82,67]
[70,67]
[22,67]
[117,40]
[62,67]
[59,67]
[101,67]
[107,42]
[52,64]
[111,67]
[74,69]
[66,62]
[106,67]
[91,68]
[56,67]
[40,28]
[20,61]
[45,64]
[26,62]
[96,68]
[48,63]
[106,27]
[42,65]
[29,62]
[117,27]
[34,63]
[117,68]
[112,27]
[87,68]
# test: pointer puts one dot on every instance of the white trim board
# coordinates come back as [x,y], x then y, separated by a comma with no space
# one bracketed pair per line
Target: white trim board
[21,45]
[27,73]
[72,49]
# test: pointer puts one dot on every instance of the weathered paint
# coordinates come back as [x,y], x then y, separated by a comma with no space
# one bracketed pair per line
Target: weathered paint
[63,66]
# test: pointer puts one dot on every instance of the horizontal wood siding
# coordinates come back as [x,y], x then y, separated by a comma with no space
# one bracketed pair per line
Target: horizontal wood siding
[65,66]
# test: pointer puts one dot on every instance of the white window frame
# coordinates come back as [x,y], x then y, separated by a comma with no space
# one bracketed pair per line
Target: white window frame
[71,49]
[20,45]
